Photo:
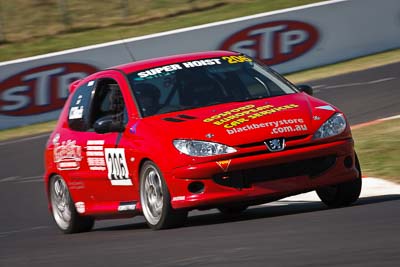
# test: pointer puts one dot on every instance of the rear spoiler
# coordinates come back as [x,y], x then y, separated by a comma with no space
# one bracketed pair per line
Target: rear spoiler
[73,86]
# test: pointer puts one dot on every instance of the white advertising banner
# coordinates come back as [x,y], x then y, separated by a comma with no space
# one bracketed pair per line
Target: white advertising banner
[34,89]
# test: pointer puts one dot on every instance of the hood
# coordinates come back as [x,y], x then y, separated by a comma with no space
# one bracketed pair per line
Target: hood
[239,123]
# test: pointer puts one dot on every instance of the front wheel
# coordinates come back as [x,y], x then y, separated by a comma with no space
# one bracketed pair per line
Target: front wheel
[64,213]
[343,194]
[156,200]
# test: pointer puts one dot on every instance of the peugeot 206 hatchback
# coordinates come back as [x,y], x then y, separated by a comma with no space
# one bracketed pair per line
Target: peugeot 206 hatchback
[164,136]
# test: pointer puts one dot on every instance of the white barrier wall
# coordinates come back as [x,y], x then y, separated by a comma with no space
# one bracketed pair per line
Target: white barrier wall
[34,89]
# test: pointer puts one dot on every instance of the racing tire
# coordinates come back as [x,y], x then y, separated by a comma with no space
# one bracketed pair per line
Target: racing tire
[343,194]
[156,200]
[63,209]
[232,210]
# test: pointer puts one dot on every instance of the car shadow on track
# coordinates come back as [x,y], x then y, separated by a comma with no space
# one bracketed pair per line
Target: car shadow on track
[257,212]
[291,208]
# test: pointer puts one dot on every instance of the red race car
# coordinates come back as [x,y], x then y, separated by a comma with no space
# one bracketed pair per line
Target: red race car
[164,136]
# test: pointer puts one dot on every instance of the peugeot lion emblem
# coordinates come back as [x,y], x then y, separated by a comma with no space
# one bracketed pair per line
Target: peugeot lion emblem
[277,144]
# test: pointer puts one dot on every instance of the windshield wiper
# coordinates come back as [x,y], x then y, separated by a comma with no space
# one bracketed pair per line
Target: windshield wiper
[250,98]
[257,97]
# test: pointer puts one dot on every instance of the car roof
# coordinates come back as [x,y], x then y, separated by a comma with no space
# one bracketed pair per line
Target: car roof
[150,63]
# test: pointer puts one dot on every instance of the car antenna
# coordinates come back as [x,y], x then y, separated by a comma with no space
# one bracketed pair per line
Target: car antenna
[124,42]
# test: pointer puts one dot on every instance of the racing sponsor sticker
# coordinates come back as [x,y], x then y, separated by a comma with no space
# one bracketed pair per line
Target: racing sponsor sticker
[326,107]
[316,118]
[224,164]
[237,59]
[95,155]
[76,185]
[245,114]
[127,206]
[170,69]
[56,138]
[179,198]
[167,70]
[76,113]
[67,155]
[80,207]
[118,172]
[276,127]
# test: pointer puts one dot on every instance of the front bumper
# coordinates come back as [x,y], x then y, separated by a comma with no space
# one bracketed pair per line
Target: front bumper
[263,177]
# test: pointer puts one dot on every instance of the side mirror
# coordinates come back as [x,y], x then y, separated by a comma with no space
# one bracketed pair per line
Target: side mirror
[305,88]
[108,124]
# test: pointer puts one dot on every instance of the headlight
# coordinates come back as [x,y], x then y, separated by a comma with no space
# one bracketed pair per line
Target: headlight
[201,148]
[333,126]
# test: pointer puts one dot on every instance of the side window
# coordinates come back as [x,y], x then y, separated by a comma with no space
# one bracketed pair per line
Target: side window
[108,103]
[78,114]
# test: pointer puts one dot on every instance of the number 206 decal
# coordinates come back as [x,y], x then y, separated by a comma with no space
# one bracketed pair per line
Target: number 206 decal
[236,59]
[118,172]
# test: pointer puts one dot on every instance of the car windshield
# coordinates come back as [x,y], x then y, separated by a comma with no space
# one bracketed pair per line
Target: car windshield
[204,82]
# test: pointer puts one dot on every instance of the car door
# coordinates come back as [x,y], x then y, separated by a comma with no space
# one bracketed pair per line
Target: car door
[107,174]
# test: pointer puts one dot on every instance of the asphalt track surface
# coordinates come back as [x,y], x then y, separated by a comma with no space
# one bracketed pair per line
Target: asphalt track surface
[293,234]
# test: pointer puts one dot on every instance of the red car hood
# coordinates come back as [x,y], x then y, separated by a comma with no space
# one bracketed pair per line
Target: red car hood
[239,123]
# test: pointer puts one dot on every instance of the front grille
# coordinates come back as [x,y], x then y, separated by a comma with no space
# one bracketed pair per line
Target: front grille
[245,178]
[287,139]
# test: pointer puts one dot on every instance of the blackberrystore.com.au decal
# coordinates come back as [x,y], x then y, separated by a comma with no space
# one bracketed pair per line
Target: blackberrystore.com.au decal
[277,127]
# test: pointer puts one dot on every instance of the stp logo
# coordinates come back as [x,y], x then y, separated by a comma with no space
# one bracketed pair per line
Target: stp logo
[274,42]
[41,89]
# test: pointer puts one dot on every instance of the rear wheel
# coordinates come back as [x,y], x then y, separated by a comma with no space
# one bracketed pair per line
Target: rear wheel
[343,194]
[156,200]
[63,209]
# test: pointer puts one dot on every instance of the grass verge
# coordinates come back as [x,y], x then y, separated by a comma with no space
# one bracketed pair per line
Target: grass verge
[34,129]
[151,17]
[378,148]
[358,64]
